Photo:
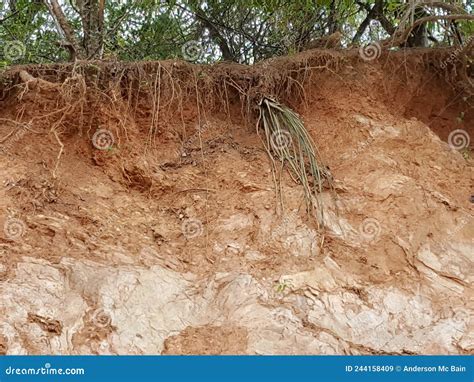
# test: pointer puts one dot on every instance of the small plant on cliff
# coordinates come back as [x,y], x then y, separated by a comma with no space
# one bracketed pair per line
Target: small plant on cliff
[289,144]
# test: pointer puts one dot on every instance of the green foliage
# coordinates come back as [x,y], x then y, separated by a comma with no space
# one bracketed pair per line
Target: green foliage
[282,286]
[231,29]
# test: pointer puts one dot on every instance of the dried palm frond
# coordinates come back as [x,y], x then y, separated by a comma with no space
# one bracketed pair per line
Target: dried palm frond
[288,144]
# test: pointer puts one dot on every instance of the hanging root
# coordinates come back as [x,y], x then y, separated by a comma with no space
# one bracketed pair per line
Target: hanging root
[288,143]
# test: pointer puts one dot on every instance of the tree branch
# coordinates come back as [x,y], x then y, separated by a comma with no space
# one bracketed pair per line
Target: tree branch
[214,33]
[406,33]
[62,25]
[439,4]
[376,13]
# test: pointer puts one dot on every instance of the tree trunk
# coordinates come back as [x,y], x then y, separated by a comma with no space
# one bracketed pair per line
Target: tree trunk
[374,13]
[64,29]
[92,16]
[332,19]
[214,33]
[219,40]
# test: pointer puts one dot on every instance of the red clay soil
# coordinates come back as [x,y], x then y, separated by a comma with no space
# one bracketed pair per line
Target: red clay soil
[169,241]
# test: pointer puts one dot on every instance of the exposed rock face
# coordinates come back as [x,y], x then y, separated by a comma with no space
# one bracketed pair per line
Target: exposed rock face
[134,310]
